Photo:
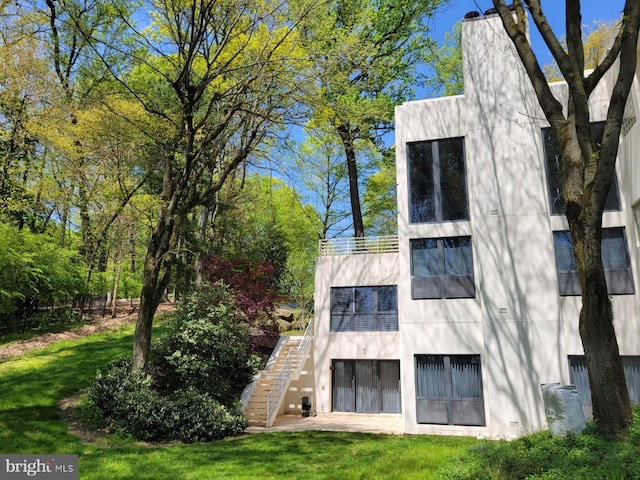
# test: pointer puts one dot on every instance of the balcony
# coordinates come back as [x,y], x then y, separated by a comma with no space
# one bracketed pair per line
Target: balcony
[358,245]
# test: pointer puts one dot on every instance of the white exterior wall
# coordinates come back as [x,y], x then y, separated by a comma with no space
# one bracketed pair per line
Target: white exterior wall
[348,271]
[520,326]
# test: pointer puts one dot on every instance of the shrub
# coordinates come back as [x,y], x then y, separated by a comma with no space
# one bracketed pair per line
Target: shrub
[127,401]
[199,418]
[198,371]
[121,400]
[206,348]
[591,455]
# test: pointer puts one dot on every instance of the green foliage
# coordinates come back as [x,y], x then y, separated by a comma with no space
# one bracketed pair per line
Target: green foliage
[120,399]
[265,221]
[34,270]
[200,418]
[591,455]
[381,216]
[206,348]
[446,62]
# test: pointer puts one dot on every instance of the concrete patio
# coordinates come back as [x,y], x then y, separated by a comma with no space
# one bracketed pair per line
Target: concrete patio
[336,422]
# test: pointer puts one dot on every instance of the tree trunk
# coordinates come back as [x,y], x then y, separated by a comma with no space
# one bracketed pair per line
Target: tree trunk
[354,194]
[610,398]
[155,278]
[116,282]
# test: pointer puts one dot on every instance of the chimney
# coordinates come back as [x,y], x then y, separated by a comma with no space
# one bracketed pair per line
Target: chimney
[495,81]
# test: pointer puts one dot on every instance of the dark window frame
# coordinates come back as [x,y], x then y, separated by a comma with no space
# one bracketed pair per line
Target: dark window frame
[440,200]
[349,310]
[449,390]
[554,175]
[619,278]
[448,282]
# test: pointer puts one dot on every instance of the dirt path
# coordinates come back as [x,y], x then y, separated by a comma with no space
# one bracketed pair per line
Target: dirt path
[125,313]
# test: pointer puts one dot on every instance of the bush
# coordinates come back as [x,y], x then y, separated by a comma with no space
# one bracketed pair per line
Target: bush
[127,401]
[122,400]
[206,348]
[591,455]
[199,418]
[198,371]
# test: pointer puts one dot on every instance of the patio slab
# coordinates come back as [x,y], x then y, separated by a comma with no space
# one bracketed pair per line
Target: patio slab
[336,422]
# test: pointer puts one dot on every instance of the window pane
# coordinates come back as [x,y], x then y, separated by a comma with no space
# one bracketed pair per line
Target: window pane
[425,258]
[421,185]
[453,187]
[466,377]
[457,256]
[430,377]
[565,261]
[340,301]
[554,173]
[387,299]
[614,250]
[631,366]
[363,297]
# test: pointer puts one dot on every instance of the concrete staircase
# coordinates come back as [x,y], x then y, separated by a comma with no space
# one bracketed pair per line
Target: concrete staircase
[256,410]
[263,398]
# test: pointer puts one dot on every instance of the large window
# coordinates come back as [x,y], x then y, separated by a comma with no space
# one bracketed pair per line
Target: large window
[437,181]
[361,309]
[579,377]
[614,257]
[449,390]
[554,173]
[442,268]
[366,386]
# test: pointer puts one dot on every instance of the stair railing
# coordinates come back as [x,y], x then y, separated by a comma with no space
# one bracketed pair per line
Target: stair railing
[278,389]
[291,369]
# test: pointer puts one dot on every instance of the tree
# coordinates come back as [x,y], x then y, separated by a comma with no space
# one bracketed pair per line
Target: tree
[446,62]
[596,39]
[365,54]
[587,170]
[218,77]
[381,216]
[319,173]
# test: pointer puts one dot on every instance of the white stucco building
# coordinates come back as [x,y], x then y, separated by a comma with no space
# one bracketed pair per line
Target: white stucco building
[457,325]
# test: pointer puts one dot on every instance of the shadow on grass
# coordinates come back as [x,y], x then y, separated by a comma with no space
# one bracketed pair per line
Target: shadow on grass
[30,422]
[33,385]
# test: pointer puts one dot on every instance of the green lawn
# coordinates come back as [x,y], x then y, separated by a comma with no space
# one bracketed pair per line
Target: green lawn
[32,385]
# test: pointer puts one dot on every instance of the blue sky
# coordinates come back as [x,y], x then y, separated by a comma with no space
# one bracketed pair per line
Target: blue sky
[592,10]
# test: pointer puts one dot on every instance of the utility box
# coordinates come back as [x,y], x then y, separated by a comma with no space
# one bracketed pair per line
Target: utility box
[563,409]
[306,406]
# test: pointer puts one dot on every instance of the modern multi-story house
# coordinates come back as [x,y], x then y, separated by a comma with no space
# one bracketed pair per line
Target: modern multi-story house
[456,323]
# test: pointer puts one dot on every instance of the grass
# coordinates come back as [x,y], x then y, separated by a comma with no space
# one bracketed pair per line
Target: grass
[32,386]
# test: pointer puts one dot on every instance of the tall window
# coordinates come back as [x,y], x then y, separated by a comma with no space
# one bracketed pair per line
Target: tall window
[615,258]
[449,390]
[437,181]
[579,377]
[366,386]
[361,309]
[554,173]
[442,268]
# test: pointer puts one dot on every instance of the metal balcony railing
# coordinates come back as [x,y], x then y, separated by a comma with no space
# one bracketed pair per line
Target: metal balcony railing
[358,245]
